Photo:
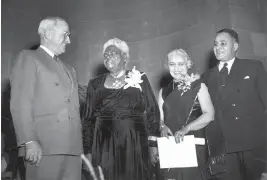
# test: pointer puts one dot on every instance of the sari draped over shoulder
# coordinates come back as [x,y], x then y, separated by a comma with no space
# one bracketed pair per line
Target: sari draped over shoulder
[180,109]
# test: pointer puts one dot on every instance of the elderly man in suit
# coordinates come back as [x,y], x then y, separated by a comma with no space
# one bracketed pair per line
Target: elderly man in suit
[45,107]
[238,88]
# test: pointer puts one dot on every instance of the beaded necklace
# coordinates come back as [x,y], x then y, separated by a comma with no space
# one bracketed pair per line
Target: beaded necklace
[118,79]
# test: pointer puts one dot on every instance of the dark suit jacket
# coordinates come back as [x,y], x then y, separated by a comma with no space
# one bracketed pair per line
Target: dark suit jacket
[241,106]
[45,104]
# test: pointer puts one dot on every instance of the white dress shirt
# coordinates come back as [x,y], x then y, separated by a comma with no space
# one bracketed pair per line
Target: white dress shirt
[47,51]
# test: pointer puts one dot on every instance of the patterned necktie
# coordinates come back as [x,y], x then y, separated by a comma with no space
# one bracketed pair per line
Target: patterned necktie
[224,75]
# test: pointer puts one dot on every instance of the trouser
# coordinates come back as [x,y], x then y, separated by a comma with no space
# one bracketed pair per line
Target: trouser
[244,165]
[55,167]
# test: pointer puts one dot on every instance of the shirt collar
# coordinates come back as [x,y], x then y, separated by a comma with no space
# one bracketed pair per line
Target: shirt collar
[47,51]
[229,64]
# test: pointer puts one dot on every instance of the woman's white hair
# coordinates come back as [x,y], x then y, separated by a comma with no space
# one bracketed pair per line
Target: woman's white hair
[120,44]
[181,53]
[49,23]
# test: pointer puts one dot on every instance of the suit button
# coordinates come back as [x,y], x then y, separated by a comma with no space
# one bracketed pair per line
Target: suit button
[236,118]
[233,104]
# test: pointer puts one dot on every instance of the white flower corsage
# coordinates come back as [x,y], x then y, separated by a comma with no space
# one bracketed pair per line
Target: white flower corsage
[133,79]
[185,82]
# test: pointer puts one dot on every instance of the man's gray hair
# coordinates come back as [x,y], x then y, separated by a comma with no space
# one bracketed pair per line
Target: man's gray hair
[49,23]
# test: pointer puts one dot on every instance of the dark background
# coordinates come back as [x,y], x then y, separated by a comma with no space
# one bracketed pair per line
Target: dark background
[152,28]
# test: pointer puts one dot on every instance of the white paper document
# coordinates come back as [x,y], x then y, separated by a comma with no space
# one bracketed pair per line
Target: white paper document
[181,155]
[200,141]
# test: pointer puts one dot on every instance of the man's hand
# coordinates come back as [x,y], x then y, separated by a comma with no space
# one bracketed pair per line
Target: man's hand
[165,131]
[33,152]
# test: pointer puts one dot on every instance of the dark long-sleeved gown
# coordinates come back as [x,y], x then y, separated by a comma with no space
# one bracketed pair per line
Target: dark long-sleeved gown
[116,126]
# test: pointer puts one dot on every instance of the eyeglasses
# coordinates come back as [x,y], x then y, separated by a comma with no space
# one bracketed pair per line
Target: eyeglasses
[66,34]
[111,54]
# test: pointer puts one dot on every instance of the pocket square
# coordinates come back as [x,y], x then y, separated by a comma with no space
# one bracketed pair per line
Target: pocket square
[247,77]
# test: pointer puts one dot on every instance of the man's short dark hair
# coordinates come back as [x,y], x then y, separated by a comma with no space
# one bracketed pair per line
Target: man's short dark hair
[231,32]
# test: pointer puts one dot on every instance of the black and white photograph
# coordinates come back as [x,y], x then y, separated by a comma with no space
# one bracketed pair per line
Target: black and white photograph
[134,90]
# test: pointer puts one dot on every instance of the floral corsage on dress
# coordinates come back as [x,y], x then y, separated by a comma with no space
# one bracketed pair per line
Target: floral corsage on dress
[133,79]
[184,83]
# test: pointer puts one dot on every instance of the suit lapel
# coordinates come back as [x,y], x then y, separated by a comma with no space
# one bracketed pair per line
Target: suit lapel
[56,67]
[47,60]
[69,76]
[214,85]
[66,71]
[231,80]
[213,81]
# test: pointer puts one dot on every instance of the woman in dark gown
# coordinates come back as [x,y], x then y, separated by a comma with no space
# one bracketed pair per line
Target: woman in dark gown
[120,115]
[186,108]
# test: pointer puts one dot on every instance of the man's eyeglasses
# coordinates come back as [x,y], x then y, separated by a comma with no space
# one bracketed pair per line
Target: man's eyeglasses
[66,34]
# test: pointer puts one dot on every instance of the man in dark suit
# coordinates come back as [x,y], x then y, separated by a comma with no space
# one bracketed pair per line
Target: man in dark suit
[238,88]
[45,107]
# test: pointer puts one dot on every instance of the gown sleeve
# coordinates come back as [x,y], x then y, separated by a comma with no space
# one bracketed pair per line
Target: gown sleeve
[152,109]
[88,120]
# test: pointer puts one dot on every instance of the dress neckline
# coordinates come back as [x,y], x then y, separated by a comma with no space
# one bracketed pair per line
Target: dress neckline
[111,89]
